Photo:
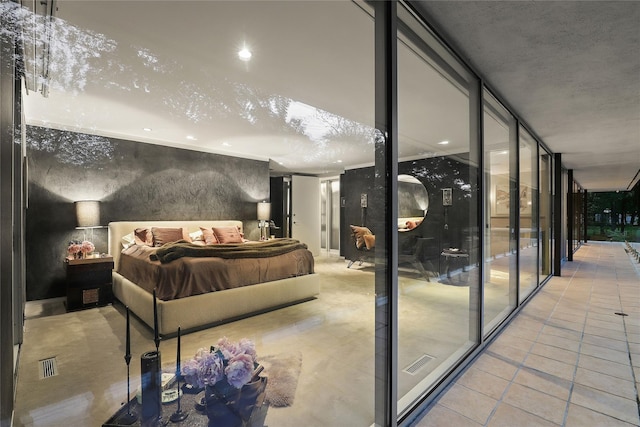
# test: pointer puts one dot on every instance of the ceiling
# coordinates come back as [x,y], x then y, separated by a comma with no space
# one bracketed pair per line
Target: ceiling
[304,102]
[569,69]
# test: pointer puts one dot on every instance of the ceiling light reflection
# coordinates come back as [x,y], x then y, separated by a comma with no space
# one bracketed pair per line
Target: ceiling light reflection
[244,54]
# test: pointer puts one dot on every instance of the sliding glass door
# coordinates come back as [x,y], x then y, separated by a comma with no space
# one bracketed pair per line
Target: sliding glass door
[528,211]
[500,245]
[437,227]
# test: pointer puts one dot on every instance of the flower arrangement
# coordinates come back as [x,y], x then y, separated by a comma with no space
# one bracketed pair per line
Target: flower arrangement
[78,249]
[235,363]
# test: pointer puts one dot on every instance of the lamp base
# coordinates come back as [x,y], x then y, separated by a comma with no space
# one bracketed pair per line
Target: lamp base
[263,226]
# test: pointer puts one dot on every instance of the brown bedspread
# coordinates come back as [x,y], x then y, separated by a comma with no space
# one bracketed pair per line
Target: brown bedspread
[189,275]
[270,248]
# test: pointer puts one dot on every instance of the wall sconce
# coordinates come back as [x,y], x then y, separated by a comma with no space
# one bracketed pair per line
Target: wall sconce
[87,215]
[264,215]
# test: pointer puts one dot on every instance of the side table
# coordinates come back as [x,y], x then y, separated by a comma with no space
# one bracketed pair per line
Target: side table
[455,254]
[89,282]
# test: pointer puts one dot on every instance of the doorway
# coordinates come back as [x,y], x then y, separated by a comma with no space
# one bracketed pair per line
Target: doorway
[330,216]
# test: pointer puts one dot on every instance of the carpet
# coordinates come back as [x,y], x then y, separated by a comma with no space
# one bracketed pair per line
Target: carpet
[283,371]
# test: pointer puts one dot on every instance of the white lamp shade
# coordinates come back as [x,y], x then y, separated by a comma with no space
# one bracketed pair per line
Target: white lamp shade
[264,211]
[88,213]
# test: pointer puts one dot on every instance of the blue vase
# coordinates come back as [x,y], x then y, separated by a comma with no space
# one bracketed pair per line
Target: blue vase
[227,406]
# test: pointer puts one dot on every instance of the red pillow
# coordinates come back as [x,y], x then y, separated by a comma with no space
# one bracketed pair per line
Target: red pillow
[227,234]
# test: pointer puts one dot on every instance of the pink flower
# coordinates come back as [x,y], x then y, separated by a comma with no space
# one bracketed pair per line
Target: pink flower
[247,346]
[239,370]
[87,247]
[227,348]
[74,248]
[206,368]
[234,362]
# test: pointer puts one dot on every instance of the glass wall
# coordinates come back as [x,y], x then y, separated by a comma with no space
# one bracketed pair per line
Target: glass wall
[578,215]
[528,211]
[565,214]
[500,245]
[546,203]
[438,242]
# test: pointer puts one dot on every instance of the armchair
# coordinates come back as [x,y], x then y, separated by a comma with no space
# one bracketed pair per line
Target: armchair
[365,242]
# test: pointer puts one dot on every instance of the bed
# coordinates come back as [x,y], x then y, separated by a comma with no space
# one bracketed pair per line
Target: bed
[207,308]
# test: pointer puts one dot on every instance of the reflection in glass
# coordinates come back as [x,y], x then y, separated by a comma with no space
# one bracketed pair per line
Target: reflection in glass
[413,202]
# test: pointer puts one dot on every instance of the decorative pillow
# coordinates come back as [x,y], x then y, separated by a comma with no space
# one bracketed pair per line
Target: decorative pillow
[227,234]
[143,237]
[208,236]
[369,241]
[163,235]
[359,233]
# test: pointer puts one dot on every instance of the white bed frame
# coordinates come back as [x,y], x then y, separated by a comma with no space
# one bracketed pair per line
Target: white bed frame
[202,311]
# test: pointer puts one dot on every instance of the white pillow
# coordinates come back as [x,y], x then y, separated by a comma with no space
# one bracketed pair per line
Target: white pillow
[197,236]
[128,240]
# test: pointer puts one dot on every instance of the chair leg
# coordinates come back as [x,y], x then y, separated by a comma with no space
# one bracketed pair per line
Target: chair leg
[418,265]
[432,268]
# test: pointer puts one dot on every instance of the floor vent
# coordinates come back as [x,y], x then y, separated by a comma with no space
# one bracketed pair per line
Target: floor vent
[48,368]
[418,364]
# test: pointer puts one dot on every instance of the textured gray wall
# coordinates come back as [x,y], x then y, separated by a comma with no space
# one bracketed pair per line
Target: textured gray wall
[134,181]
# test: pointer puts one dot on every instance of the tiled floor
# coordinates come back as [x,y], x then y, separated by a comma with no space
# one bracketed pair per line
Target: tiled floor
[568,359]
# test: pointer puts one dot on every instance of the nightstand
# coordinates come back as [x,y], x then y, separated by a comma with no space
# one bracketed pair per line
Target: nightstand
[88,282]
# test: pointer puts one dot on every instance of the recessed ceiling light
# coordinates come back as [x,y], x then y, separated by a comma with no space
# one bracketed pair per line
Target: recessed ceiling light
[226,144]
[443,142]
[244,54]
[146,129]
[191,137]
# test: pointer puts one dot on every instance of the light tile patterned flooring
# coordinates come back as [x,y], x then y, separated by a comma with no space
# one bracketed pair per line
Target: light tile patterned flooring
[566,360]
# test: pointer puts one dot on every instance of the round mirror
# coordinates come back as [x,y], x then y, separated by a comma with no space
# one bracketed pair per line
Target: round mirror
[413,202]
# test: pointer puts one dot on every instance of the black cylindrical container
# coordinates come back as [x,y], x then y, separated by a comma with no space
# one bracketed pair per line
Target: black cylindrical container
[151,385]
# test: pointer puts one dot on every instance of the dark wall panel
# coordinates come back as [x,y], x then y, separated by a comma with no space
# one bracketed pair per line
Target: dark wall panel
[133,181]
[447,225]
